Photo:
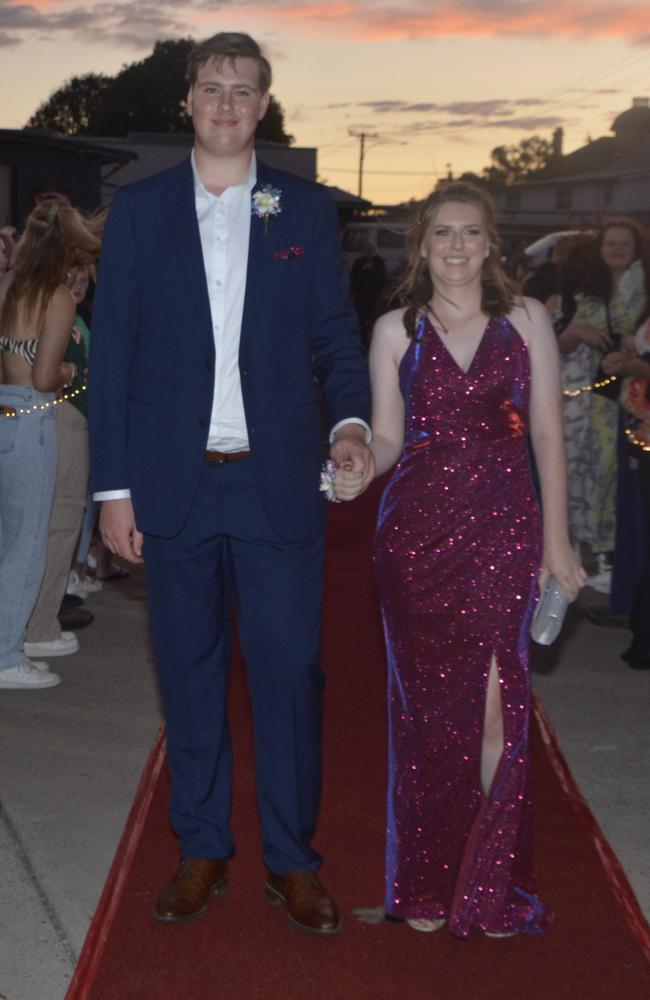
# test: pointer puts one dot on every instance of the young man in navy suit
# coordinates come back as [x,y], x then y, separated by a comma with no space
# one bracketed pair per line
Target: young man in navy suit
[220,297]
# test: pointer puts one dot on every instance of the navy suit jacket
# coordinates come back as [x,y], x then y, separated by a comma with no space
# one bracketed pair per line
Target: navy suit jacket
[152,353]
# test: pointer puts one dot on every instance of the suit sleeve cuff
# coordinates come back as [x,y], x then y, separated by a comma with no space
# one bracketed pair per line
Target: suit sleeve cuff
[351,420]
[112,495]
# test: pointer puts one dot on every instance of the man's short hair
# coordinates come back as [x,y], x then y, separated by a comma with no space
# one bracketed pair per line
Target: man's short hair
[228,45]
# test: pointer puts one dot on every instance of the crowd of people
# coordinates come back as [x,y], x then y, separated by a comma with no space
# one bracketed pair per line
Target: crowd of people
[596,288]
[44,454]
[219,498]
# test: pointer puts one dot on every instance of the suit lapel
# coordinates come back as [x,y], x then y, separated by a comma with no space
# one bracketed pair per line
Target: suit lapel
[259,274]
[180,210]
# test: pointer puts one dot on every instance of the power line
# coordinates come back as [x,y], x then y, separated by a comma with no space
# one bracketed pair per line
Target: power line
[391,173]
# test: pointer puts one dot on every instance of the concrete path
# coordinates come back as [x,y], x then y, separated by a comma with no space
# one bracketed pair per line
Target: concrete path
[71,758]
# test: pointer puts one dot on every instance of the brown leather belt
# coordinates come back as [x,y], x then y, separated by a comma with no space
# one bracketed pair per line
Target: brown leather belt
[225,456]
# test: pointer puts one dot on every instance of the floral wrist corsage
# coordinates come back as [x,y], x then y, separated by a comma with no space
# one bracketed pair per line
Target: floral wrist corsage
[327,475]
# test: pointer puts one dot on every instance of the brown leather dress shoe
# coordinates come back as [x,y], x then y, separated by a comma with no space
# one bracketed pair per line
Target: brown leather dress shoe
[186,895]
[308,904]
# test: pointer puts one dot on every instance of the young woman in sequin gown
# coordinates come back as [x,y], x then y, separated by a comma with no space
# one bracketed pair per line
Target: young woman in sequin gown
[460,378]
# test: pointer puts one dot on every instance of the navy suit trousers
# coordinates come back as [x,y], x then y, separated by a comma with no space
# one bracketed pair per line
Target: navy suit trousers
[229,554]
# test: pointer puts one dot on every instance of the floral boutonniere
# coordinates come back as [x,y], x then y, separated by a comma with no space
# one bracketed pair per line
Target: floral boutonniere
[266,202]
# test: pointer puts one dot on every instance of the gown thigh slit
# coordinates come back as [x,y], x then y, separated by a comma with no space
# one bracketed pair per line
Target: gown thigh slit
[489,767]
[457,555]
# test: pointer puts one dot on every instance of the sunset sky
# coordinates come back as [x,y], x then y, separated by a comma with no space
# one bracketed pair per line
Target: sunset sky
[435,83]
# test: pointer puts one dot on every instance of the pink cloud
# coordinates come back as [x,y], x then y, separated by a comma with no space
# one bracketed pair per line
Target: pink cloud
[369,21]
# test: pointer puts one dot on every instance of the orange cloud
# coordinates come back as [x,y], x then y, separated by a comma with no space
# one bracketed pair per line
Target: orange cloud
[370,21]
[37,4]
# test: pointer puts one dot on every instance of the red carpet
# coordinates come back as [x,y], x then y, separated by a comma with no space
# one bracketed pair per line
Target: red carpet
[244,949]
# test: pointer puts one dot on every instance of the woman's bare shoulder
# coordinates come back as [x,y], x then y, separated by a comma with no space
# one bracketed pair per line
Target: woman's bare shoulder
[62,301]
[529,316]
[389,334]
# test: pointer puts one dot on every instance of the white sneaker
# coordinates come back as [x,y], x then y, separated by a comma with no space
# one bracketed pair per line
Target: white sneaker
[28,676]
[602,582]
[82,587]
[67,644]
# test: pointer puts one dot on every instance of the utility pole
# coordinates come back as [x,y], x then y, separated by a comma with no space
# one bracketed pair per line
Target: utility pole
[362,136]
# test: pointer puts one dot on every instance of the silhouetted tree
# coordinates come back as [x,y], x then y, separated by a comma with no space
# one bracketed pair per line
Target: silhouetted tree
[272,125]
[145,96]
[516,163]
[70,110]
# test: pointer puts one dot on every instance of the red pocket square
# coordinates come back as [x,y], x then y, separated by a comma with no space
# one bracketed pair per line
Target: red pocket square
[289,253]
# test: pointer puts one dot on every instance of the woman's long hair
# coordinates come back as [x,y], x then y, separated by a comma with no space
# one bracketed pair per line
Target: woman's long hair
[56,234]
[416,290]
[597,280]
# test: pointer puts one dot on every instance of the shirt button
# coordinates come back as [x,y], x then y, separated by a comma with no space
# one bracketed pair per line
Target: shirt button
[218,284]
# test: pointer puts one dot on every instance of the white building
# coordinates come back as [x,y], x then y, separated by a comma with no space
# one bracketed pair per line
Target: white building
[606,177]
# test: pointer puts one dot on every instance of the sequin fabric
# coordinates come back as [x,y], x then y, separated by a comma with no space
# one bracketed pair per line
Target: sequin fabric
[457,554]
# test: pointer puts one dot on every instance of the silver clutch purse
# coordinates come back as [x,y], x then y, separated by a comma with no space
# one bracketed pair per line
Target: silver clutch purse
[549,613]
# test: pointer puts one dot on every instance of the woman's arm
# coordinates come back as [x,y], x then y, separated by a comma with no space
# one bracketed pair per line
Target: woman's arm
[50,372]
[619,363]
[547,435]
[578,333]
[388,346]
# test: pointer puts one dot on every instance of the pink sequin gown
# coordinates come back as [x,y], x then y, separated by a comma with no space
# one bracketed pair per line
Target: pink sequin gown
[457,554]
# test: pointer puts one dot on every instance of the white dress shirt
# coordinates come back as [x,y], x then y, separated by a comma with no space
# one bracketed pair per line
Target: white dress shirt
[225,225]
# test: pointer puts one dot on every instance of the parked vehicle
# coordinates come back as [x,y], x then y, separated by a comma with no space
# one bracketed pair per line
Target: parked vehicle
[540,250]
[390,238]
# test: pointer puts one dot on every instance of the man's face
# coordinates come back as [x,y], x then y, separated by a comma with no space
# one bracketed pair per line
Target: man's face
[226,104]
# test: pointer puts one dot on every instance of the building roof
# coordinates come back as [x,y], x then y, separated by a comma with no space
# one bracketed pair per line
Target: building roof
[633,121]
[40,139]
[342,197]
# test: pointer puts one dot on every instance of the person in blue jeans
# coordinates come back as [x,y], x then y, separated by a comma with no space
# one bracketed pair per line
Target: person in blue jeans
[36,316]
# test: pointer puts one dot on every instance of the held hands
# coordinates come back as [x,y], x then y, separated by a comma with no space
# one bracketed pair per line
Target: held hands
[117,527]
[561,562]
[348,484]
[355,460]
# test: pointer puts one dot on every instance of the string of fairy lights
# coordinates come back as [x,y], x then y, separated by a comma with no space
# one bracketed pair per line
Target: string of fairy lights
[572,393]
[15,411]
[637,441]
[11,411]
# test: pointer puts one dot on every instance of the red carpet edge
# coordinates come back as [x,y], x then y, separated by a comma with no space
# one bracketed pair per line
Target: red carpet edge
[616,877]
[91,954]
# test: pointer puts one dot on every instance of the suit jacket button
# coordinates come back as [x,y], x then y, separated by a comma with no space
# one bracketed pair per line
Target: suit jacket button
[203,423]
[210,366]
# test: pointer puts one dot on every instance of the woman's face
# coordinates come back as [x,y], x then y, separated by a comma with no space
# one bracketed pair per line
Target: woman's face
[618,249]
[78,283]
[456,244]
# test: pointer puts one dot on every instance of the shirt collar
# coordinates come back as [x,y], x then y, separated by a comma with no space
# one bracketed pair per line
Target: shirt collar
[200,190]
